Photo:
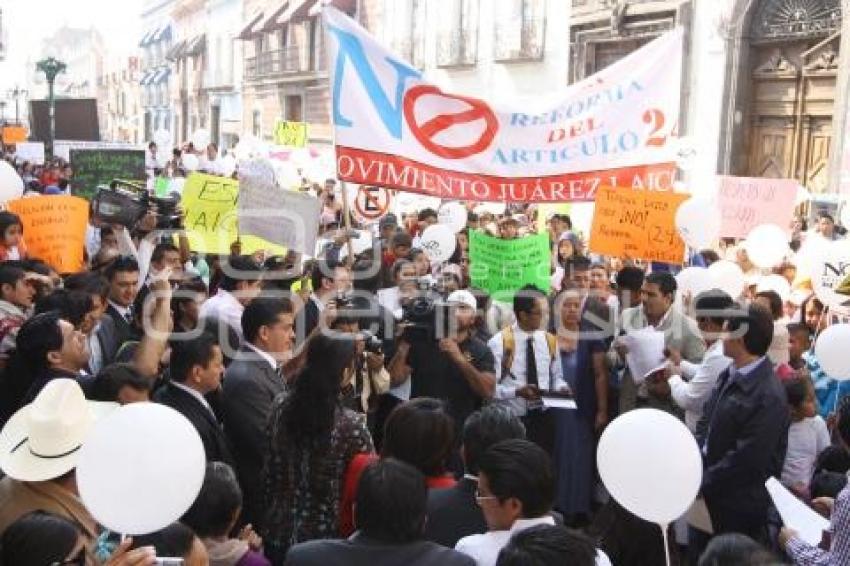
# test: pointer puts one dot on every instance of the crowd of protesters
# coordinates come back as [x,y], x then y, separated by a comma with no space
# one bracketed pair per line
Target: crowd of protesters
[377,408]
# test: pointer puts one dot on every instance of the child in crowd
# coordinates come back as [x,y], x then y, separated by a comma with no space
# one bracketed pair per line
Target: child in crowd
[800,341]
[807,436]
[11,237]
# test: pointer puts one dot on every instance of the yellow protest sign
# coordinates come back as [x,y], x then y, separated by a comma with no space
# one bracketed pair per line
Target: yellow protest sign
[210,219]
[292,134]
[637,224]
[54,229]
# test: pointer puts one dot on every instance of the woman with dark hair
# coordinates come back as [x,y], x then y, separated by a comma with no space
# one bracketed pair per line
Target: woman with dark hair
[42,539]
[312,439]
[419,432]
[175,541]
[734,549]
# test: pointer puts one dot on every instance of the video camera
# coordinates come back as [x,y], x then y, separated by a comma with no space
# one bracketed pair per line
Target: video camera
[425,319]
[125,203]
[372,343]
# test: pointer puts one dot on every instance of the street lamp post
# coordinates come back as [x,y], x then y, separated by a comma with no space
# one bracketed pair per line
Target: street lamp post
[51,67]
[16,93]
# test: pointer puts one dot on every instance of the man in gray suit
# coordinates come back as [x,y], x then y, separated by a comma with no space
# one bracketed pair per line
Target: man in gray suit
[680,333]
[251,383]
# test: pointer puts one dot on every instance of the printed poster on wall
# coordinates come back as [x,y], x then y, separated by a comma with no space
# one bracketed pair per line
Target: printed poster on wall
[395,129]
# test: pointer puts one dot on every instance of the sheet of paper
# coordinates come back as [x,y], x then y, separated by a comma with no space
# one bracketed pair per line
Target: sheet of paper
[558,403]
[699,518]
[646,352]
[795,514]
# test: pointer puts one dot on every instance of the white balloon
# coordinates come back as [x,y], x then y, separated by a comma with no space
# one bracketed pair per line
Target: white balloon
[405,202]
[439,242]
[803,195]
[286,174]
[767,245]
[698,222]
[693,280]
[11,184]
[201,139]
[775,283]
[831,351]
[228,165]
[190,162]
[453,215]
[829,269]
[650,463]
[141,468]
[728,277]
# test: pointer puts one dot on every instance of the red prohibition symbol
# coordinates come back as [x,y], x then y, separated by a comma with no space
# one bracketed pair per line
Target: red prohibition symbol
[425,133]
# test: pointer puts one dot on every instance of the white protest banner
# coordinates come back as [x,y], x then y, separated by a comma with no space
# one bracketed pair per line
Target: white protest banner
[274,213]
[747,202]
[30,151]
[62,148]
[394,129]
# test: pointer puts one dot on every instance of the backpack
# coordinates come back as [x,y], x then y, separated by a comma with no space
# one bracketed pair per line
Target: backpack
[509,345]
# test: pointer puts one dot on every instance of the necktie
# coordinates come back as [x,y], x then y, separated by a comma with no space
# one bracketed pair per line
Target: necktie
[531,363]
[129,315]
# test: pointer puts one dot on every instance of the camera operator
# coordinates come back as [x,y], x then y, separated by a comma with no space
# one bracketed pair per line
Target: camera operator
[455,367]
[366,378]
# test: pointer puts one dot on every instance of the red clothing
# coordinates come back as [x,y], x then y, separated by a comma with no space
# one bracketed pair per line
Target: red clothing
[349,489]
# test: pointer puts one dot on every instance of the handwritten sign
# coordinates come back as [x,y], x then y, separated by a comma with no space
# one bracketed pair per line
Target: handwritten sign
[502,267]
[54,229]
[30,151]
[273,213]
[637,225]
[93,167]
[209,203]
[14,134]
[291,134]
[747,202]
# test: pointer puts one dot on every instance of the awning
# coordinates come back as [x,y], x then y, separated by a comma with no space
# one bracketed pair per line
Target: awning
[161,76]
[148,37]
[253,27]
[146,79]
[176,51]
[271,22]
[298,9]
[347,6]
[196,45]
[162,34]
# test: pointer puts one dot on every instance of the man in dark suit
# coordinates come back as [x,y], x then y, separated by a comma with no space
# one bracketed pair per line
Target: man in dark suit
[390,516]
[251,383]
[123,277]
[453,512]
[744,429]
[196,369]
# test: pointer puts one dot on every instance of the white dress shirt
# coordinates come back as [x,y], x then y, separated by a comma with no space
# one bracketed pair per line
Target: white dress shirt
[549,372]
[194,393]
[692,394]
[225,307]
[264,355]
[122,310]
[485,548]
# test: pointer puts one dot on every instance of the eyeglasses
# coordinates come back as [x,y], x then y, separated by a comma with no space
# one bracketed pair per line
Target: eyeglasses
[79,559]
[479,498]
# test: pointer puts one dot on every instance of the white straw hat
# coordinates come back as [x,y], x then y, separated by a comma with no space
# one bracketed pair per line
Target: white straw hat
[42,440]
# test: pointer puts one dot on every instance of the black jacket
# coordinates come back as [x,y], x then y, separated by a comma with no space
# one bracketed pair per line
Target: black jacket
[359,550]
[204,421]
[453,513]
[743,435]
[249,389]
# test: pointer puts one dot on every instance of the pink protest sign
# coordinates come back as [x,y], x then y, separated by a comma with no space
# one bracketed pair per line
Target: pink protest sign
[747,202]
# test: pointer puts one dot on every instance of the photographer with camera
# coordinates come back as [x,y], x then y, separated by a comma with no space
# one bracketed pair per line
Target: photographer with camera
[453,366]
[366,378]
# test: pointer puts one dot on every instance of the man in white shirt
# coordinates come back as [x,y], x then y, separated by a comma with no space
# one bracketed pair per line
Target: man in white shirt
[241,284]
[690,384]
[516,488]
[527,365]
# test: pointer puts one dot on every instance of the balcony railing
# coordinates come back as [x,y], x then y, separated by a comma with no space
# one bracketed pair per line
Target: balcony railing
[281,62]
[524,44]
[458,48]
